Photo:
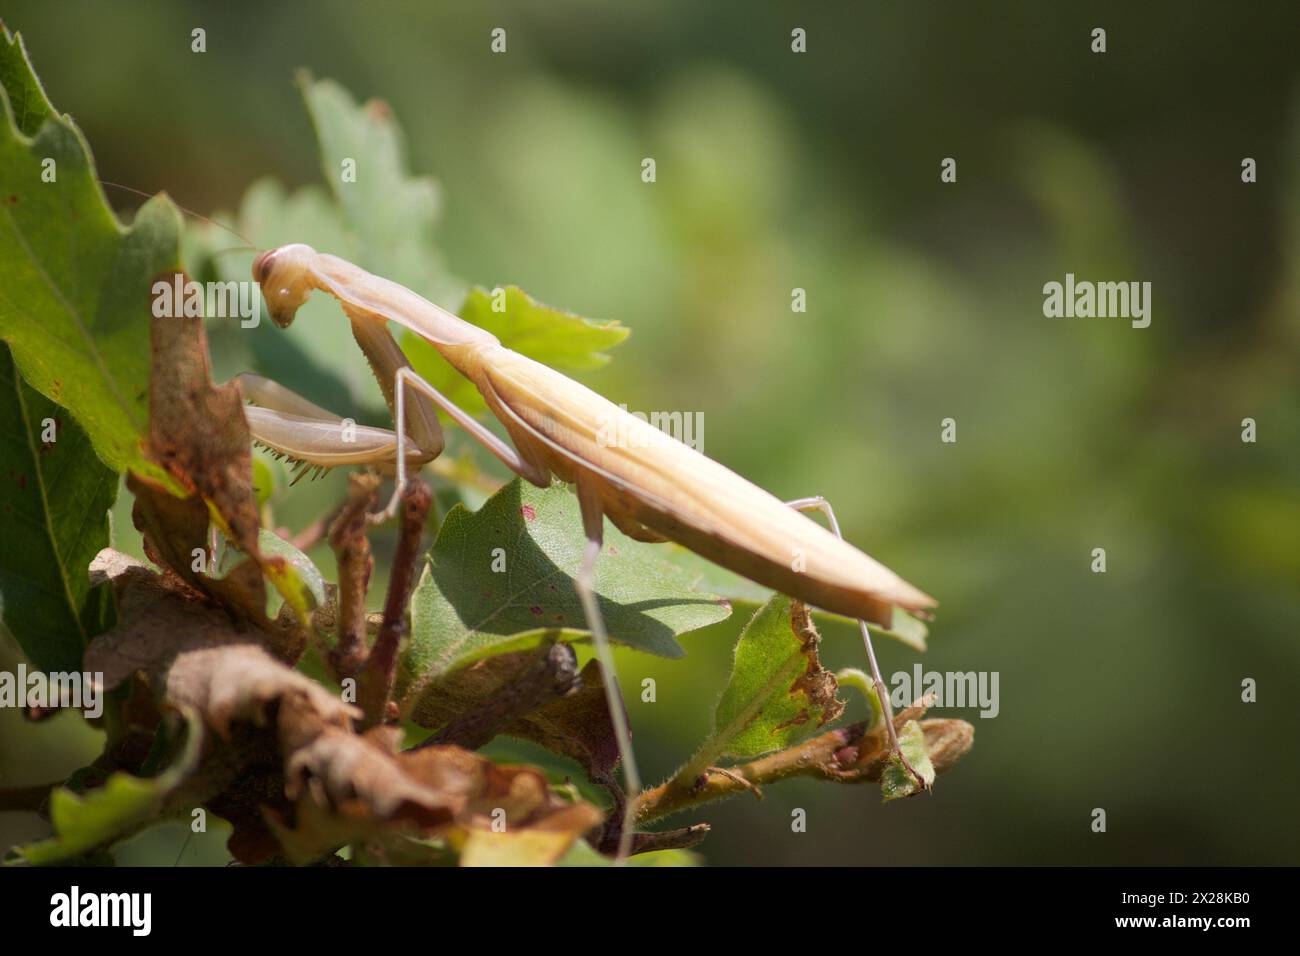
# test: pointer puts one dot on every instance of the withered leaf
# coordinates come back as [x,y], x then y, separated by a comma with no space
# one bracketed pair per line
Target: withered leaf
[192,652]
[577,725]
[541,843]
[572,722]
[327,785]
[511,817]
[352,789]
[199,436]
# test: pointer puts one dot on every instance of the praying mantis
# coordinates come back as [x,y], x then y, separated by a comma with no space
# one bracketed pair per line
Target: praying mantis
[651,487]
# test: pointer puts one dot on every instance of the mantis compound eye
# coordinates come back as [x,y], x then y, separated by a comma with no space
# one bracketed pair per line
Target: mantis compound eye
[285,275]
[262,266]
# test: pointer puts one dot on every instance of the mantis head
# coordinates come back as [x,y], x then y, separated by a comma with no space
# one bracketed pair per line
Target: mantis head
[285,277]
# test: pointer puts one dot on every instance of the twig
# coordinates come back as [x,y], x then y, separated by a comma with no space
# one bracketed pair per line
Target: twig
[681,839]
[612,832]
[26,799]
[352,551]
[375,687]
[845,755]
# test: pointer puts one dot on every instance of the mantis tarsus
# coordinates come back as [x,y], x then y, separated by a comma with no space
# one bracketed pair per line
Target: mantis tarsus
[651,487]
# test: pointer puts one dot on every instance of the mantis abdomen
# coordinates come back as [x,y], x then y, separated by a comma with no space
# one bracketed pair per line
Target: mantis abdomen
[646,477]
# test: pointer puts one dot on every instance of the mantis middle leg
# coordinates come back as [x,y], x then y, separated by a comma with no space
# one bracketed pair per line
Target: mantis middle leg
[593,517]
[593,523]
[818,503]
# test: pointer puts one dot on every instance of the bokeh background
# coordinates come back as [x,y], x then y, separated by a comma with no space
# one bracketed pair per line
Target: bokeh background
[821,171]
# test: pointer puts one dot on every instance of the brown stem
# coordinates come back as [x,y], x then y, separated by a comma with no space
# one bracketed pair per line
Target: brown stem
[26,799]
[352,551]
[681,839]
[737,778]
[845,755]
[375,687]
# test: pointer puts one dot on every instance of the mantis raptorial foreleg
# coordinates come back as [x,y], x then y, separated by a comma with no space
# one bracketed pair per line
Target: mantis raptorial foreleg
[299,429]
[295,428]
[818,503]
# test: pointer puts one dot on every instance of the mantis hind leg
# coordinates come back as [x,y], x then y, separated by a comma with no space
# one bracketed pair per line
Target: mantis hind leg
[818,503]
[593,518]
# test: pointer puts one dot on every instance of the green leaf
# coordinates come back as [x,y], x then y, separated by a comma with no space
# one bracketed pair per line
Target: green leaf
[304,587]
[54,498]
[907,629]
[124,805]
[74,283]
[895,781]
[391,213]
[463,610]
[778,690]
[548,335]
[582,854]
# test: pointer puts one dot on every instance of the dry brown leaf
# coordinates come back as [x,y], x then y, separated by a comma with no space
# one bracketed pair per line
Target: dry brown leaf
[349,788]
[193,654]
[511,817]
[197,430]
[352,789]
[575,724]
[543,843]
[199,436]
[287,762]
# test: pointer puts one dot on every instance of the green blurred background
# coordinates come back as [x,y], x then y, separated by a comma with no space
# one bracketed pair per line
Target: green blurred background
[821,171]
